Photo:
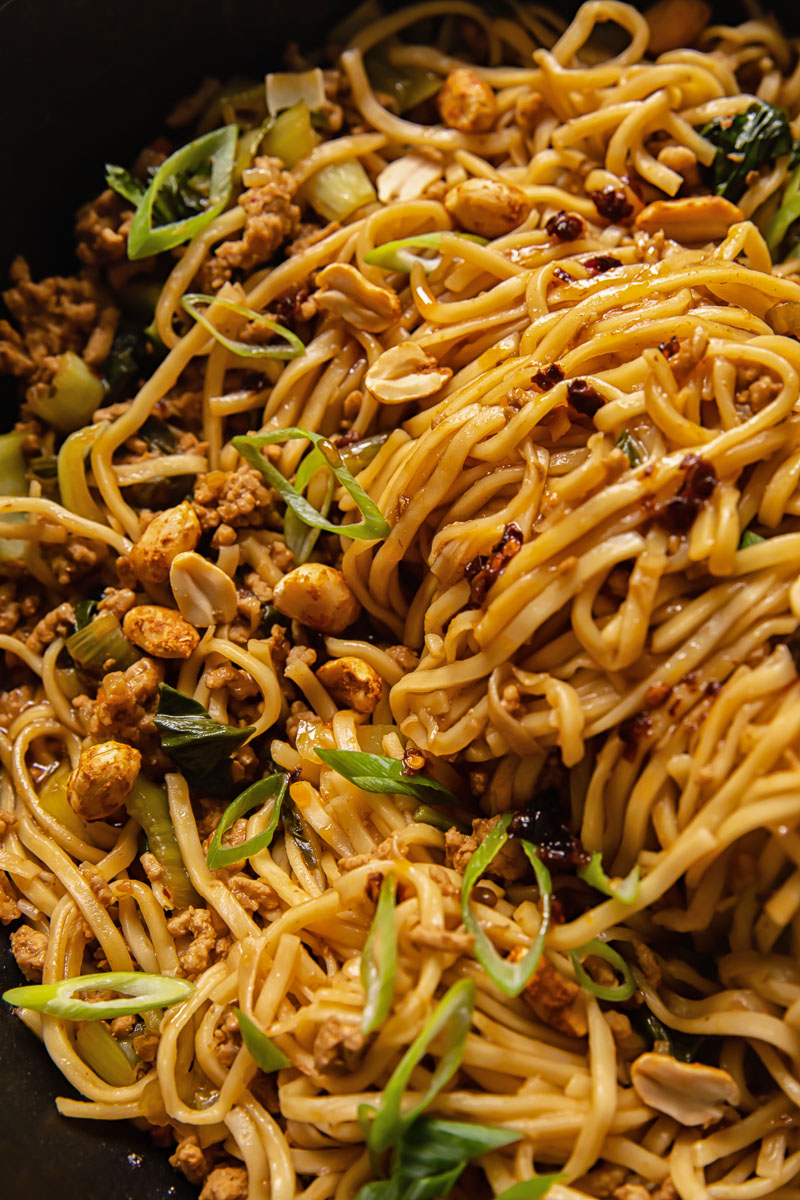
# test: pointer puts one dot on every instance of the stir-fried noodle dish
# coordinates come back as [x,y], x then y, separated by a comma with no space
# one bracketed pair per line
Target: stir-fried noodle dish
[400,789]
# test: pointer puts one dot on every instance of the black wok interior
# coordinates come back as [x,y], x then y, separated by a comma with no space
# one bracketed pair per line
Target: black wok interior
[83,82]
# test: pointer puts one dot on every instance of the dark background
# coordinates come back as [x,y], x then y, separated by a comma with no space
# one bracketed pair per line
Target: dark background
[84,82]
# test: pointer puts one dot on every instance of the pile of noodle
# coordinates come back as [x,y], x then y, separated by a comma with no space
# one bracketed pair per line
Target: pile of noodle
[686,644]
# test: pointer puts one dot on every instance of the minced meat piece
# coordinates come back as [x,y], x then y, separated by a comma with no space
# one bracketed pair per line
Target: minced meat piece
[101,230]
[272,219]
[52,316]
[555,1000]
[190,1159]
[126,702]
[225,1183]
[337,1045]
[29,947]
[75,558]
[13,703]
[57,623]
[8,902]
[198,954]
[236,498]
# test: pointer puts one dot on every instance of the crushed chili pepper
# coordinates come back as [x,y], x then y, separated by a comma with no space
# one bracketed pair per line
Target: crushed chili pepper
[612,204]
[678,513]
[584,398]
[600,263]
[542,823]
[668,349]
[548,377]
[414,761]
[564,276]
[632,731]
[565,227]
[484,569]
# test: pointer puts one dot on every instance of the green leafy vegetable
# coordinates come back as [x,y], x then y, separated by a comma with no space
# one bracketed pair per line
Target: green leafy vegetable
[148,804]
[290,135]
[397,256]
[622,991]
[104,1055]
[140,993]
[531,1189]
[784,219]
[69,399]
[84,612]
[628,443]
[749,538]
[407,86]
[300,537]
[13,482]
[432,1146]
[131,358]
[265,1053]
[374,525]
[93,645]
[198,745]
[271,788]
[295,826]
[627,890]
[758,135]
[451,1017]
[508,976]
[293,349]
[337,190]
[379,773]
[185,194]
[379,960]
[681,1046]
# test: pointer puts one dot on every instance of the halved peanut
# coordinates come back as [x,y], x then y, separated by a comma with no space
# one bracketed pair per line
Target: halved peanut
[353,682]
[343,291]
[692,219]
[203,592]
[407,177]
[691,1093]
[172,532]
[405,372]
[159,631]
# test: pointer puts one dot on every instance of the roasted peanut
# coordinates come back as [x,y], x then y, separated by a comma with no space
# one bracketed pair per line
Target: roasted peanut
[691,1093]
[103,779]
[405,372]
[203,592]
[676,23]
[162,632]
[172,532]
[693,219]
[343,291]
[318,596]
[353,682]
[466,102]
[489,207]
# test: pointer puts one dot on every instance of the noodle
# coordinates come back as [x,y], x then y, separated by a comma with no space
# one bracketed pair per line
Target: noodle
[568,448]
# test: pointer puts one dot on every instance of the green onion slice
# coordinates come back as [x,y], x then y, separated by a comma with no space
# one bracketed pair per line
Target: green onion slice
[622,991]
[374,525]
[145,991]
[426,815]
[397,255]
[299,537]
[750,538]
[627,442]
[379,773]
[271,788]
[452,1017]
[627,890]
[510,977]
[294,346]
[266,1054]
[531,1189]
[217,148]
[379,960]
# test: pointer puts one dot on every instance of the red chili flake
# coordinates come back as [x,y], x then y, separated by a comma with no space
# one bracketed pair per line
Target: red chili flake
[565,227]
[678,514]
[612,204]
[560,273]
[584,398]
[484,569]
[600,263]
[548,377]
[347,439]
[631,733]
[414,761]
[671,347]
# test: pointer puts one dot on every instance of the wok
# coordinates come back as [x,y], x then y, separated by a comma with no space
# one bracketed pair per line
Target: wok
[84,82]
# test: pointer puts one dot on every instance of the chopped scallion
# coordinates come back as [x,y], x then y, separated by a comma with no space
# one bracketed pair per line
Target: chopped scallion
[379,960]
[100,642]
[140,993]
[266,1054]
[397,256]
[291,135]
[749,538]
[628,443]
[622,991]
[374,525]
[339,189]
[148,804]
[627,890]
[293,349]
[379,773]
[510,977]
[272,788]
[103,1053]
